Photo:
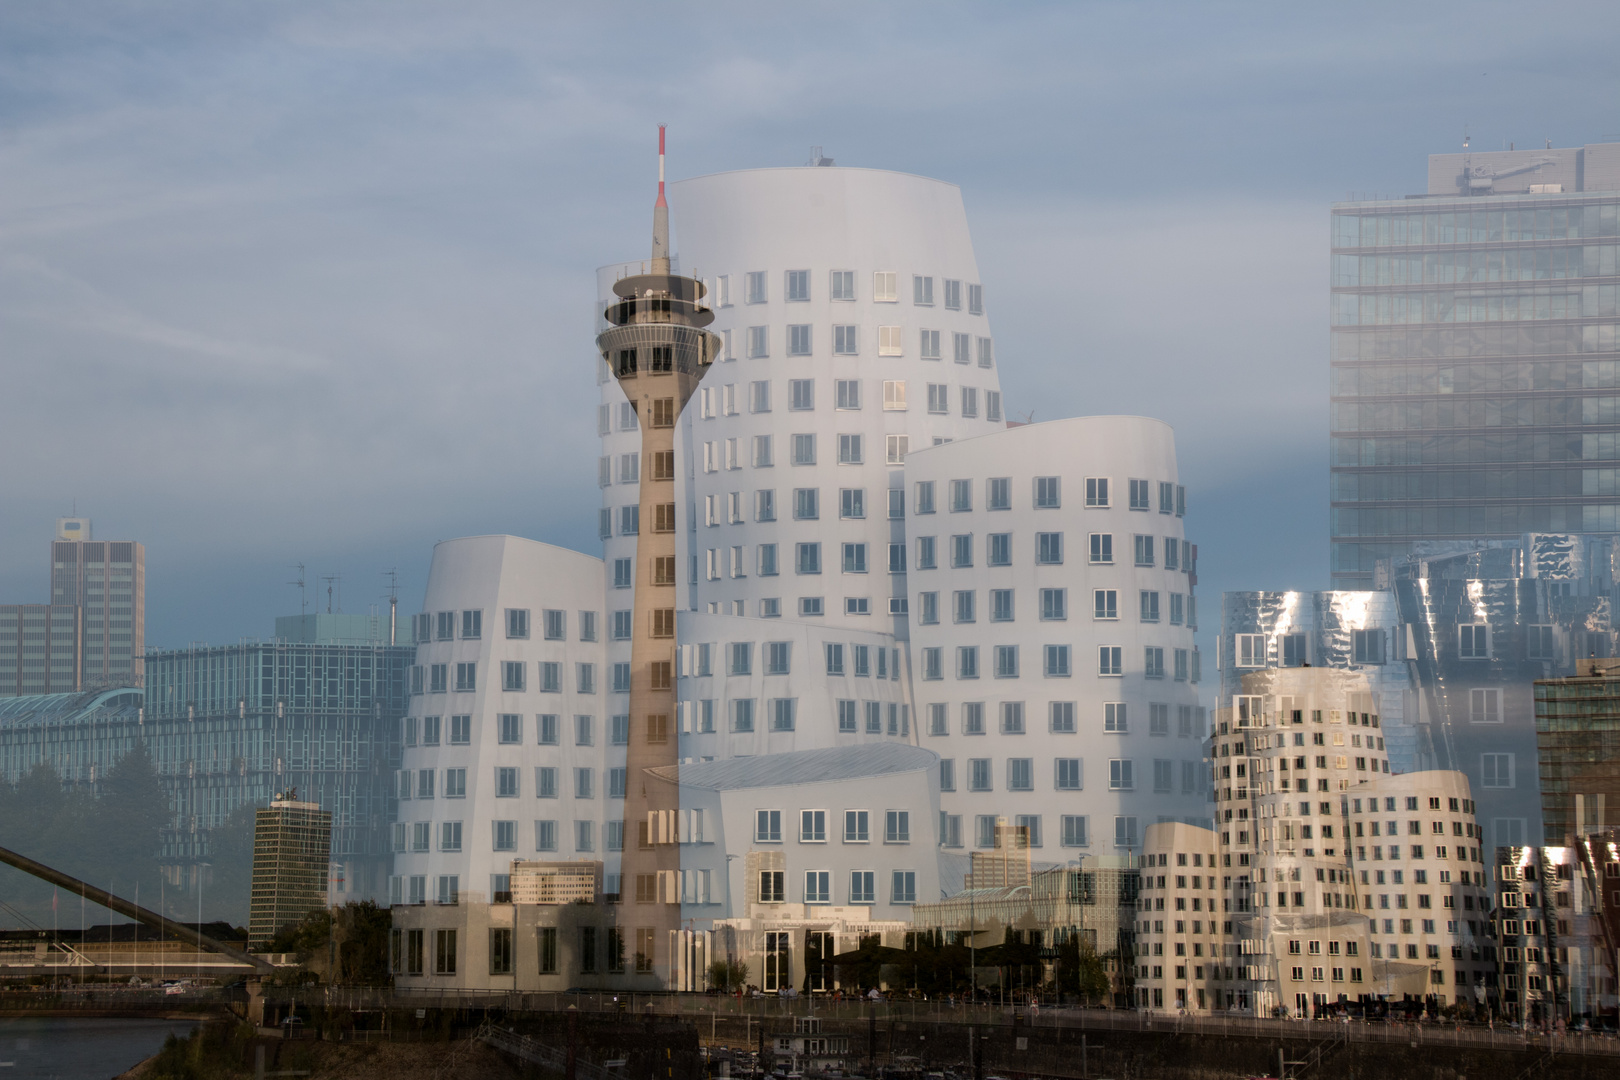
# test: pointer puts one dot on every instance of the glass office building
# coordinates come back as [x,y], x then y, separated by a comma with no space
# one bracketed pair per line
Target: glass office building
[1475,377]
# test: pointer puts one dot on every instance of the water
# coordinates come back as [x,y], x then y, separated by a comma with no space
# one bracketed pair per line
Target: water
[34,1049]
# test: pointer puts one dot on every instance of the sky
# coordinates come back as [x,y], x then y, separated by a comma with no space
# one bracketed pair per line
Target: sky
[312,283]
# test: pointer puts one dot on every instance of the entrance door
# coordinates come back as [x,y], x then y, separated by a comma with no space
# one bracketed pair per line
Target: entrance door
[778,969]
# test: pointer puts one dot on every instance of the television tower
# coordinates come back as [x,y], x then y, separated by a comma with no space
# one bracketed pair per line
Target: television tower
[656,346]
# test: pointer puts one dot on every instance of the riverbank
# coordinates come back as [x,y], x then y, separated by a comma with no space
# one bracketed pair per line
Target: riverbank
[462,1059]
[83,1048]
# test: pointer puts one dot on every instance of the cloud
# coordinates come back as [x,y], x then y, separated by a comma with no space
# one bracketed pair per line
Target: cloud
[314,282]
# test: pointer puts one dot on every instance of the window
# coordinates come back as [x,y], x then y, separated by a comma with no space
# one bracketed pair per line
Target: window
[545,836]
[1250,650]
[510,728]
[1496,770]
[467,676]
[778,657]
[939,401]
[768,826]
[1067,776]
[517,623]
[854,560]
[1153,662]
[1140,494]
[979,774]
[1114,716]
[1144,550]
[585,678]
[1181,664]
[1056,661]
[1485,705]
[797,286]
[1150,606]
[455,785]
[1001,605]
[962,606]
[1074,831]
[903,889]
[850,450]
[922,291]
[512,673]
[970,402]
[895,448]
[1473,641]
[1097,491]
[856,827]
[1368,646]
[1007,661]
[1020,774]
[754,287]
[1104,604]
[798,340]
[986,353]
[962,550]
[1120,776]
[817,887]
[885,289]
[847,393]
[807,558]
[1110,661]
[782,713]
[1049,548]
[1102,549]
[812,826]
[928,344]
[472,625]
[1012,717]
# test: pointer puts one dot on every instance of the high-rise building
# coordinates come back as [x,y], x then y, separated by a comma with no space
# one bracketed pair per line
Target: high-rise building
[39,649]
[107,580]
[1476,356]
[292,843]
[231,725]
[1578,753]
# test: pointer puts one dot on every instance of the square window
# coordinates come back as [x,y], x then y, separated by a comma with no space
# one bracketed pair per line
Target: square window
[843,285]
[850,450]
[894,395]
[1102,549]
[885,289]
[928,344]
[889,341]
[759,342]
[798,337]
[1057,661]
[922,291]
[1140,495]
[797,286]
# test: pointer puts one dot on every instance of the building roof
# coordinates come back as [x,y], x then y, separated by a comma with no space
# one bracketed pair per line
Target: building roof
[31,710]
[803,767]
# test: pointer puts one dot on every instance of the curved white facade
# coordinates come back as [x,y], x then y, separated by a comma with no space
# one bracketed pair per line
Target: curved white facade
[477,818]
[1052,638]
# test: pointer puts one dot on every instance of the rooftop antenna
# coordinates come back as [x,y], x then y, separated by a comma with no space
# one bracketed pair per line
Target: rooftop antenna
[303,604]
[660,245]
[393,605]
[332,580]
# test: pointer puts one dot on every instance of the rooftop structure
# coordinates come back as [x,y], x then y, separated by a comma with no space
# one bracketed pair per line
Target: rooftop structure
[107,581]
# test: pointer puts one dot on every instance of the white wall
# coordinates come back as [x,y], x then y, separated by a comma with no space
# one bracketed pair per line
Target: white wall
[1119,448]
[491,574]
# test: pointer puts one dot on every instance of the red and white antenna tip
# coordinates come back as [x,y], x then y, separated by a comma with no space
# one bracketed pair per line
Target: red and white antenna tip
[660,201]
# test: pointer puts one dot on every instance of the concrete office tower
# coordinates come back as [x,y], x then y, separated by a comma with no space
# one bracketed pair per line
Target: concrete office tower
[654,342]
[107,579]
[1476,355]
[292,841]
[39,649]
[505,739]
[1052,606]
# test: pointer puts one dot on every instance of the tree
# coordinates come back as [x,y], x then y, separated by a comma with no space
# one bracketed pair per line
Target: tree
[1080,970]
[356,935]
[728,975]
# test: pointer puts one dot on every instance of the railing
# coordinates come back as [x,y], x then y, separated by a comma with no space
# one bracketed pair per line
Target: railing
[780,1010]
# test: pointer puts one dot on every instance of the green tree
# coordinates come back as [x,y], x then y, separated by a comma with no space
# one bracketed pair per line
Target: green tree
[1080,970]
[728,975]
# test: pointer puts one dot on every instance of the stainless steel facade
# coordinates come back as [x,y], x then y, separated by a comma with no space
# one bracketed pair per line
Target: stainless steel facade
[1475,372]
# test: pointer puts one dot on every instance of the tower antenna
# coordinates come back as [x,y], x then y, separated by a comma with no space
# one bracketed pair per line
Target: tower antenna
[303,604]
[393,605]
[331,581]
[660,245]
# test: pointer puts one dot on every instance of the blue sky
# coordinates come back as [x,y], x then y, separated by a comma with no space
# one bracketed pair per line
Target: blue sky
[312,282]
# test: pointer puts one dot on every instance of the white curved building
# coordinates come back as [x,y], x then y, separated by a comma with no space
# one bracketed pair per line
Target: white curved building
[509,748]
[1052,637]
[853,315]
